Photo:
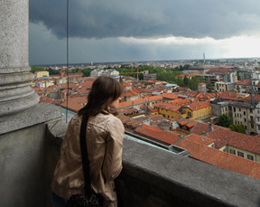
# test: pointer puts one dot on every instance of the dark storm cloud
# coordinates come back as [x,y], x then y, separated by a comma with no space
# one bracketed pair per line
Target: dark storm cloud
[148,18]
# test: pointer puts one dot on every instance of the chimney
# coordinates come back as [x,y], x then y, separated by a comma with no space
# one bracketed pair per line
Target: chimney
[181,137]
[210,127]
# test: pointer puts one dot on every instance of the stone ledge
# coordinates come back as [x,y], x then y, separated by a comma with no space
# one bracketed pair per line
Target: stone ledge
[154,177]
[40,113]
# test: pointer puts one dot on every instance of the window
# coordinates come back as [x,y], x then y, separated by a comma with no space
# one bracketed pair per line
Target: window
[251,111]
[251,118]
[250,157]
[240,154]
[234,109]
[232,151]
[245,127]
[244,113]
[252,126]
[239,109]
[244,119]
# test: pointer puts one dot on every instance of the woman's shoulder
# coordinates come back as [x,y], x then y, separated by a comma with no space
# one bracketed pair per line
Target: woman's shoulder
[109,120]
[76,118]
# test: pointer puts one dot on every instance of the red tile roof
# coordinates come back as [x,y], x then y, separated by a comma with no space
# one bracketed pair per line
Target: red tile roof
[201,95]
[199,139]
[226,95]
[201,128]
[133,92]
[180,101]
[199,105]
[170,96]
[168,106]
[64,85]
[74,104]
[158,134]
[235,139]
[245,82]
[188,75]
[86,84]
[133,124]
[221,159]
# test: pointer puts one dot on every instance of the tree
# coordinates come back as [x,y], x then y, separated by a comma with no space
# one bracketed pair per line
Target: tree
[185,81]
[238,128]
[37,68]
[53,72]
[210,86]
[224,120]
[179,81]
[86,72]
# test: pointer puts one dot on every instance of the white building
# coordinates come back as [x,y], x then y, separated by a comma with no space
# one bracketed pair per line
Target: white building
[99,72]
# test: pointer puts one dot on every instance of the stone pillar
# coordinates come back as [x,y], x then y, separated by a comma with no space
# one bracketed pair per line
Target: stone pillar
[15,77]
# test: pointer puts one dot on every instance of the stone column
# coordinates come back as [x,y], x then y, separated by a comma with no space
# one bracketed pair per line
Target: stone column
[15,77]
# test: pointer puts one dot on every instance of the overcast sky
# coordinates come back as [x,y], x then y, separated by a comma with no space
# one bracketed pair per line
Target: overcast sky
[142,30]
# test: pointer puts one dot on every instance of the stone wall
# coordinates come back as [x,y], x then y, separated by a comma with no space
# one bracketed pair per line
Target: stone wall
[154,177]
[28,155]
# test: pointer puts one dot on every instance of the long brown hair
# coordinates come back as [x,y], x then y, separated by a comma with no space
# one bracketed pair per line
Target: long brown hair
[104,91]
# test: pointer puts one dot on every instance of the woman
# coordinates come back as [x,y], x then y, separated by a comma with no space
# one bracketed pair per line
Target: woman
[104,136]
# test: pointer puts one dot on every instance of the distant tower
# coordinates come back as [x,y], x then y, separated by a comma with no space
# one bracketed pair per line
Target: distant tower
[62,73]
[204,57]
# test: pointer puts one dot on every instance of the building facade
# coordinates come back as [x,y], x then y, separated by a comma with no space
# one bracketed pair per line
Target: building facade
[244,113]
[223,86]
[99,72]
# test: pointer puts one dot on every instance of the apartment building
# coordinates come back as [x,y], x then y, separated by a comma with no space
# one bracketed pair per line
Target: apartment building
[211,78]
[39,74]
[224,86]
[219,107]
[244,113]
[257,118]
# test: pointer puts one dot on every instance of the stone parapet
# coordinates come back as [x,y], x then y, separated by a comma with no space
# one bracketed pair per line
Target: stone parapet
[38,114]
[154,177]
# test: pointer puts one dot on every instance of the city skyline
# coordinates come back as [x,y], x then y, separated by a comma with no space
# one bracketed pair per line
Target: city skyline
[142,31]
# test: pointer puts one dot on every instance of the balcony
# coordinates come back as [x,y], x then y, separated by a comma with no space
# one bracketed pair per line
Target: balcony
[152,175]
[31,134]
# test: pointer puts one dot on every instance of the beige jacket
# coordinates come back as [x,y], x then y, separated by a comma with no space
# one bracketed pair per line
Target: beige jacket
[104,144]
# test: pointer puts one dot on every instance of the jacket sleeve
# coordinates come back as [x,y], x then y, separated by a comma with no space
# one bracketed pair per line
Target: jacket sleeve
[113,159]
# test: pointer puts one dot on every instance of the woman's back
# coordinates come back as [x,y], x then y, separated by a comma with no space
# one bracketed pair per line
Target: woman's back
[104,143]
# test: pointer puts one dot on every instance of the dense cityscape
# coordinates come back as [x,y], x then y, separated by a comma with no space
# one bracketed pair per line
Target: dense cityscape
[221,111]
[187,131]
